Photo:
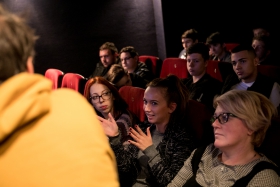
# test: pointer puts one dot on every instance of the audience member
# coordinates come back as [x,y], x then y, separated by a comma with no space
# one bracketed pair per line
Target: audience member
[240,123]
[47,138]
[202,86]
[217,47]
[130,62]
[108,103]
[160,146]
[188,38]
[246,76]
[262,47]
[108,54]
[261,31]
[120,77]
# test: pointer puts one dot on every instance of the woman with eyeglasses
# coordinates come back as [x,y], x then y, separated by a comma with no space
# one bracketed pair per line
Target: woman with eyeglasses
[108,104]
[159,146]
[240,123]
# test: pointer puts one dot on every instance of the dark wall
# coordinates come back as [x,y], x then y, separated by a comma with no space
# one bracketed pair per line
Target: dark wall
[71,32]
[235,19]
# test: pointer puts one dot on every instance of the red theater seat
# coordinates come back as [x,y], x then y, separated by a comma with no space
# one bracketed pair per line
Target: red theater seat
[175,66]
[230,46]
[133,96]
[152,62]
[270,71]
[74,81]
[55,75]
[213,70]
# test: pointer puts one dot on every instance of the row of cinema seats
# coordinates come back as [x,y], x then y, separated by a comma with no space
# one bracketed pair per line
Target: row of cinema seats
[69,80]
[199,120]
[199,115]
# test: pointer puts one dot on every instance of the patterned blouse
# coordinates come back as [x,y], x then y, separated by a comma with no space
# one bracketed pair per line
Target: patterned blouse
[212,172]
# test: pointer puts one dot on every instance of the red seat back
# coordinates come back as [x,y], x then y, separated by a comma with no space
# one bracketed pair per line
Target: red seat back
[74,81]
[213,70]
[271,144]
[176,66]
[152,62]
[230,46]
[55,75]
[270,71]
[133,96]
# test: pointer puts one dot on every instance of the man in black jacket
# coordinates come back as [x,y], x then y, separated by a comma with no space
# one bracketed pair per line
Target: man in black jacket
[108,54]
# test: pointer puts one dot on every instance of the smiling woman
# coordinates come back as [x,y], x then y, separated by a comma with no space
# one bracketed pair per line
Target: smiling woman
[160,145]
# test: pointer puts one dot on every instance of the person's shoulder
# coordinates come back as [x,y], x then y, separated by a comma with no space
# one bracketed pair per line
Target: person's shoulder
[70,100]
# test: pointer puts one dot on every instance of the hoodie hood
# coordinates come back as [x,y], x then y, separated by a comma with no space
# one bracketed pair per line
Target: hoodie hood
[24,98]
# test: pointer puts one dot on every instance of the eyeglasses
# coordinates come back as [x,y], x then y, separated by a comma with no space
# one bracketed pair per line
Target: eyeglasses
[222,118]
[125,59]
[104,96]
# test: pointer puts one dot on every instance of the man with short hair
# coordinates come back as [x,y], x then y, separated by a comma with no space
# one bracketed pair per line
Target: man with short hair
[47,138]
[108,54]
[262,47]
[188,38]
[217,47]
[130,62]
[261,31]
[247,77]
[201,85]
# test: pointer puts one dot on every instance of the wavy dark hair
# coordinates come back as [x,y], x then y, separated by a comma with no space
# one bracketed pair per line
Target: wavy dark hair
[120,106]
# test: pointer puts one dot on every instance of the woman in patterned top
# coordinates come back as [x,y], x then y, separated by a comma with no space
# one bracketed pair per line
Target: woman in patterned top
[159,146]
[108,103]
[240,122]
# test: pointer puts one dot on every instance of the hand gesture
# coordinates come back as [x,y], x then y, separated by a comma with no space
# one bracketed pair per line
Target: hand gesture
[141,140]
[110,126]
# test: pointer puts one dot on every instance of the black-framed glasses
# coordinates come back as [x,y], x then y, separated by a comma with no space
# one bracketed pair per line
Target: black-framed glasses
[104,96]
[222,118]
[125,59]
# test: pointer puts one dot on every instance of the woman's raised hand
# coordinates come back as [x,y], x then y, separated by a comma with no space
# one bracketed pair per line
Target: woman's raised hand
[141,140]
[109,125]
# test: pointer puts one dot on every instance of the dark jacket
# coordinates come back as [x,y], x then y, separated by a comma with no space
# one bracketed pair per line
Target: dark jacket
[175,147]
[204,90]
[100,70]
[262,84]
[143,71]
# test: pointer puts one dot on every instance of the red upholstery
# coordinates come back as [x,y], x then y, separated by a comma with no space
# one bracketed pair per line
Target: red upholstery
[213,69]
[200,122]
[176,66]
[271,144]
[153,63]
[55,75]
[133,96]
[230,46]
[74,81]
[270,71]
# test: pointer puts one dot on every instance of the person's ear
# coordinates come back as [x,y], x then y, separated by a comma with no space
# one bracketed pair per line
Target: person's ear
[256,61]
[206,63]
[29,65]
[172,107]
[250,132]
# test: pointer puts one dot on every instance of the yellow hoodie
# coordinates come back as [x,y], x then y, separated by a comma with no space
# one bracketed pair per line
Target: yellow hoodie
[51,138]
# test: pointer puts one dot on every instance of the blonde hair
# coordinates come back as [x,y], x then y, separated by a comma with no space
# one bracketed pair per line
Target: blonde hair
[254,109]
